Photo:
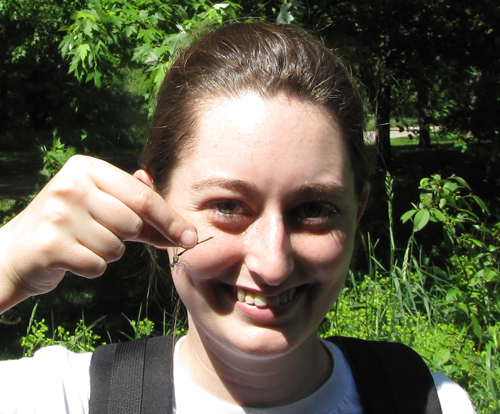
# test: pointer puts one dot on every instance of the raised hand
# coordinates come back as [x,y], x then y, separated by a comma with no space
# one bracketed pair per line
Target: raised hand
[79,223]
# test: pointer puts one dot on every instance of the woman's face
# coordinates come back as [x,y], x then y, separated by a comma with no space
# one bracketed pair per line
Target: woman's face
[270,181]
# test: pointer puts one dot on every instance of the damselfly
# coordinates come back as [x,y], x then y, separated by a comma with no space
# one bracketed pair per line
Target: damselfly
[175,259]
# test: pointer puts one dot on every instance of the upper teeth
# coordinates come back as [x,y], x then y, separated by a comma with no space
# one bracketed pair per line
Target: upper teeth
[262,301]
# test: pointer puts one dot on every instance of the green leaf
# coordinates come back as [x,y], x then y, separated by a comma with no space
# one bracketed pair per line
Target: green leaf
[441,357]
[438,215]
[449,199]
[89,27]
[481,204]
[462,182]
[159,75]
[489,372]
[140,52]
[466,366]
[74,68]
[421,219]
[463,307]
[86,14]
[83,50]
[450,186]
[408,215]
[476,327]
[285,16]
[488,274]
[424,182]
[146,35]
[453,294]
[129,30]
[478,243]
[152,60]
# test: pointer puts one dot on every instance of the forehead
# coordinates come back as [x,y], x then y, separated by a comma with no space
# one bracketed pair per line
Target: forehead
[279,135]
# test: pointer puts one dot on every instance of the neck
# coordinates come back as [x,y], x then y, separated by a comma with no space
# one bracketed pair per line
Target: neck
[252,381]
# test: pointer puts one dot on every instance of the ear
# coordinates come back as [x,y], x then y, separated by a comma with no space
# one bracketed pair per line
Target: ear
[145,177]
[363,201]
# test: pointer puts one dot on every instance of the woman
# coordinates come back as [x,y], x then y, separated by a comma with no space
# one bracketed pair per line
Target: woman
[257,145]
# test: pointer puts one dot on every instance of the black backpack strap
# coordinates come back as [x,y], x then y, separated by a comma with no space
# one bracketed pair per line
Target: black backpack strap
[136,377]
[390,377]
[158,391]
[132,377]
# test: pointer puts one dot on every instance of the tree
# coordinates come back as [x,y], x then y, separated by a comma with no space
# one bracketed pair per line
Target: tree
[39,99]
[29,74]
[93,82]
[114,34]
[435,53]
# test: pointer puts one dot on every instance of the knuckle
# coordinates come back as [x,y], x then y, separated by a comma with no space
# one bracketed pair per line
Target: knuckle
[67,187]
[116,252]
[49,242]
[176,227]
[95,269]
[133,229]
[57,216]
[78,162]
[144,197]
[100,267]
[89,267]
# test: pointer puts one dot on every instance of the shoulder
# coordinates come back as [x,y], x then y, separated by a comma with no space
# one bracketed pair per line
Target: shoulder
[453,398]
[54,381]
[400,371]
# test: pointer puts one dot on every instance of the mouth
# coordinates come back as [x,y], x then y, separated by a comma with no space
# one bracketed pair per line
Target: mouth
[264,301]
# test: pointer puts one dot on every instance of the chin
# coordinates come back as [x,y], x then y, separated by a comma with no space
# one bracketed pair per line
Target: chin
[263,345]
[259,343]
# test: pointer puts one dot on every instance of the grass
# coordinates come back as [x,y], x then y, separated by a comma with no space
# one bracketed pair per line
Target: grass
[395,123]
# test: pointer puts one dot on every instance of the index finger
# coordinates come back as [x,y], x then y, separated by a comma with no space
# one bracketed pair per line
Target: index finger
[159,218]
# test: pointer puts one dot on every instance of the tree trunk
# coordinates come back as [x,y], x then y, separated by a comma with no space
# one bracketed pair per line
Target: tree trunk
[424,140]
[424,135]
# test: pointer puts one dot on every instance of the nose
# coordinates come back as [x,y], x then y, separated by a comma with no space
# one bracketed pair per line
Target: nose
[269,255]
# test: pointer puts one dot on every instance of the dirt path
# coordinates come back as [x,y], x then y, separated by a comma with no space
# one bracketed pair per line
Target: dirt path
[17,186]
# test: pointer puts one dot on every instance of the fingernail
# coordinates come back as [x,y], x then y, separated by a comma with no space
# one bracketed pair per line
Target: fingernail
[189,239]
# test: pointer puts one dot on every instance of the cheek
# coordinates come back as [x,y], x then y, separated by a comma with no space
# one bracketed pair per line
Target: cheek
[327,260]
[203,275]
[214,260]
[326,252]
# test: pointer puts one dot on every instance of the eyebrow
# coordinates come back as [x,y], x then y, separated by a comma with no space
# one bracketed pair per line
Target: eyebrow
[244,187]
[319,190]
[239,185]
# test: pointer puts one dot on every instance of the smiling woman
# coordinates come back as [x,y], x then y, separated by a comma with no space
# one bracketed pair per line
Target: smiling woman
[257,149]
[275,189]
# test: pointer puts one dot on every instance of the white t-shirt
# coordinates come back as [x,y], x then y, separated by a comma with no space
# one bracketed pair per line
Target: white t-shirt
[56,381]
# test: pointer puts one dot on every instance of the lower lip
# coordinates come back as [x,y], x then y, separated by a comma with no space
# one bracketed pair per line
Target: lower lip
[265,314]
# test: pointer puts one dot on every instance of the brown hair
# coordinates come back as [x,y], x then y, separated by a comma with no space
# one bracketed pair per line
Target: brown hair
[265,58]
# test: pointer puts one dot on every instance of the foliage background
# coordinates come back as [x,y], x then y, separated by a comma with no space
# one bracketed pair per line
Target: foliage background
[81,77]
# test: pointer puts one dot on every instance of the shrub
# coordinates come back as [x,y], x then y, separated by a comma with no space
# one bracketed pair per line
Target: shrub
[444,303]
